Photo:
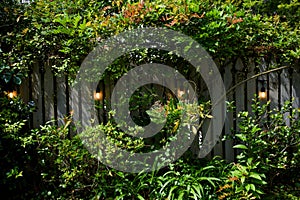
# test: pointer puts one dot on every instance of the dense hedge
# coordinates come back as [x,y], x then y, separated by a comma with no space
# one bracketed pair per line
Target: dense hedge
[64,32]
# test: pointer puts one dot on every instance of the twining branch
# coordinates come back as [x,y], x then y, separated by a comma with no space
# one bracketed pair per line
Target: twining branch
[246,80]
[237,85]
[253,77]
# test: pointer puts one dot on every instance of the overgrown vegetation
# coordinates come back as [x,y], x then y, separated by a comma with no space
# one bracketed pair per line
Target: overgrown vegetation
[53,30]
[47,163]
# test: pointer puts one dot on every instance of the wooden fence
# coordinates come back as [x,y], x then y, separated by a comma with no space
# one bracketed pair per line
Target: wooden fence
[51,94]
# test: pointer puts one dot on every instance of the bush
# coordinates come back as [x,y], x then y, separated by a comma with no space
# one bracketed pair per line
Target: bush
[15,159]
[270,138]
[47,163]
[68,171]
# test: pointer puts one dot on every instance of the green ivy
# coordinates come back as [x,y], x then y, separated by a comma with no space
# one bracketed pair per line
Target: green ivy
[64,32]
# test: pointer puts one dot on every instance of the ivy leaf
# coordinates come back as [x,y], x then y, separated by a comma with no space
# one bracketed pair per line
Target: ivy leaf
[3,67]
[243,178]
[76,20]
[248,187]
[88,24]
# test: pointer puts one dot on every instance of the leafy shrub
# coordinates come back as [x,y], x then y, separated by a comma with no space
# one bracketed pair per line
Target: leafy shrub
[68,171]
[9,76]
[47,163]
[270,139]
[244,182]
[65,167]
[15,159]
[188,179]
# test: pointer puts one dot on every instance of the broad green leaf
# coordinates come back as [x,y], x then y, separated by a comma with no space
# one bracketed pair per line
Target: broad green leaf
[243,178]
[248,187]
[255,175]
[140,197]
[240,146]
[241,137]
[252,187]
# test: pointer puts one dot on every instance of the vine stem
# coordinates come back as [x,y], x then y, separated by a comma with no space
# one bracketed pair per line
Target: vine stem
[253,77]
[238,84]
[244,81]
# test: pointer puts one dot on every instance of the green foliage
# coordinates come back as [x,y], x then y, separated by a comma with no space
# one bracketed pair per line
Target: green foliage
[245,182]
[270,141]
[65,169]
[48,163]
[58,166]
[283,192]
[15,159]
[181,180]
[9,77]
[271,137]
[64,32]
[186,181]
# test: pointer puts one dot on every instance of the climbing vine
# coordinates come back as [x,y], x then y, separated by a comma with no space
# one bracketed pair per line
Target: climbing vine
[64,32]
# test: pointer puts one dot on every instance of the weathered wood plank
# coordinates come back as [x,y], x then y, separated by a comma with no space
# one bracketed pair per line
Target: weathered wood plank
[37,95]
[228,82]
[251,85]
[61,99]
[49,94]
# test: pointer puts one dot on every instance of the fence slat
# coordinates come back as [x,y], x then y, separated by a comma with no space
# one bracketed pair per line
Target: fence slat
[296,90]
[228,82]
[49,94]
[37,95]
[251,85]
[61,99]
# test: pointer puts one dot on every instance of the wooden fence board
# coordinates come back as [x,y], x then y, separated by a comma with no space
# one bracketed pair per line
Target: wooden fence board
[228,82]
[37,95]
[61,99]
[49,93]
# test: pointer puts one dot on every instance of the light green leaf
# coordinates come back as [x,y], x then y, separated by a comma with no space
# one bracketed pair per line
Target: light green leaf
[255,175]
[252,187]
[240,146]
[243,178]
[140,197]
[248,187]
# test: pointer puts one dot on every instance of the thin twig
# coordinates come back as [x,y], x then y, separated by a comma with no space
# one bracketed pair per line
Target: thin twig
[253,77]
[238,84]
[244,81]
